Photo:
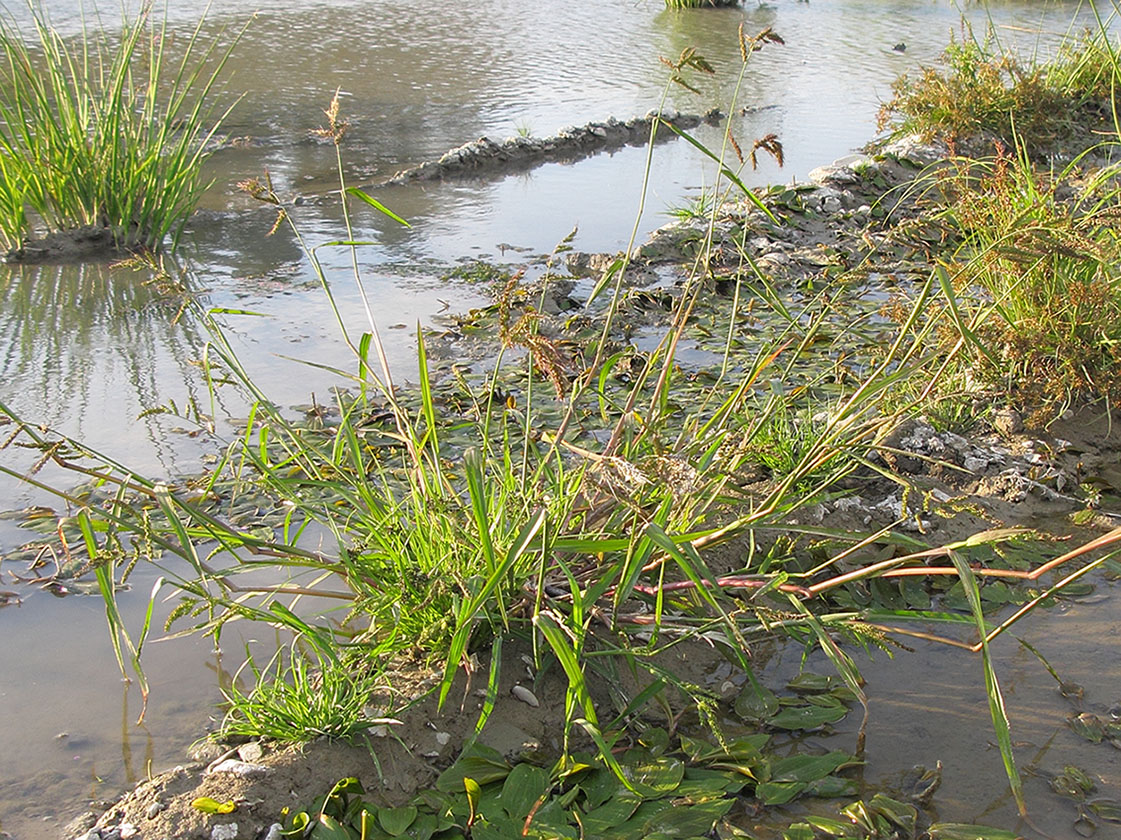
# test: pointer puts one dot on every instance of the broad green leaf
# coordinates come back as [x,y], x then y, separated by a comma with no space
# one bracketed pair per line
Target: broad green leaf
[807,717]
[652,776]
[478,762]
[756,703]
[809,768]
[778,793]
[807,683]
[396,821]
[898,813]
[1088,726]
[1108,809]
[833,787]
[963,831]
[328,828]
[522,789]
[689,820]
[614,812]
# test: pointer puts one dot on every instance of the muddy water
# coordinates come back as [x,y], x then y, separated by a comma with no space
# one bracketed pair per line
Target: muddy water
[86,349]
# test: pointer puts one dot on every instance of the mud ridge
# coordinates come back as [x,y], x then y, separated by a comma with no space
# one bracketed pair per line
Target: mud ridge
[485,156]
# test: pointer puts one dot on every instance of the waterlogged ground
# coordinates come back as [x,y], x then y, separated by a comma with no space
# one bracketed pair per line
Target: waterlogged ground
[87,349]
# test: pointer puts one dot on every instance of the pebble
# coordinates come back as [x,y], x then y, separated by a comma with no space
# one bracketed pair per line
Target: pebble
[154,809]
[1008,421]
[525,695]
[128,831]
[275,832]
[226,831]
[250,752]
[92,834]
[240,768]
[442,738]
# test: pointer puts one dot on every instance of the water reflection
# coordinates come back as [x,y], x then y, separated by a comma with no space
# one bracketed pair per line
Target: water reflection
[87,349]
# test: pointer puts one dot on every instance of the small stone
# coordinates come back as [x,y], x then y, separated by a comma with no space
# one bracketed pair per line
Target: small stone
[1008,421]
[226,831]
[91,834]
[128,831]
[206,751]
[974,464]
[80,825]
[154,809]
[275,832]
[442,738]
[240,768]
[111,834]
[525,695]
[250,752]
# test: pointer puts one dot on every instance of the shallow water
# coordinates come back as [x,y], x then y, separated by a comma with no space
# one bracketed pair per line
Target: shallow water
[86,349]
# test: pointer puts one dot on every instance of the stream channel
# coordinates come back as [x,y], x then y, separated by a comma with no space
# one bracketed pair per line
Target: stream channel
[86,350]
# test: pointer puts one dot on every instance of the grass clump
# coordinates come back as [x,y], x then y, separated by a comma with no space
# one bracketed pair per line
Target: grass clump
[319,694]
[107,130]
[983,89]
[1036,274]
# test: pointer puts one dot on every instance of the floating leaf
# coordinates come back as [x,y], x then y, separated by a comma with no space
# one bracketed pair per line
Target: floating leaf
[807,717]
[609,815]
[213,806]
[1087,726]
[809,768]
[1108,809]
[778,793]
[654,776]
[963,831]
[689,820]
[807,683]
[756,703]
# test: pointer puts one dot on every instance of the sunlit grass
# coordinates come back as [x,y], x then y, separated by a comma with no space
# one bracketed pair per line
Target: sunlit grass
[108,129]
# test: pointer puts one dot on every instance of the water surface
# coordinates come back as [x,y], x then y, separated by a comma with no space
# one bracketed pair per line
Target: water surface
[88,349]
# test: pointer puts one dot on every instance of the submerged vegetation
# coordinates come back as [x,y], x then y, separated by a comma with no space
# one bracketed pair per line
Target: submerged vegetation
[604,506]
[105,131]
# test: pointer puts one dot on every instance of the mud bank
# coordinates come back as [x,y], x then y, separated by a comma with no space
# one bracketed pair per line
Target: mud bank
[487,157]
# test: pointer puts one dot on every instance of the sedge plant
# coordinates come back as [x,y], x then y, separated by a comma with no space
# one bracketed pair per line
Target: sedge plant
[108,129]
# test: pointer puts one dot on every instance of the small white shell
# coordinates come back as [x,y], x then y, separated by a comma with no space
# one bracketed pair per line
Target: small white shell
[525,695]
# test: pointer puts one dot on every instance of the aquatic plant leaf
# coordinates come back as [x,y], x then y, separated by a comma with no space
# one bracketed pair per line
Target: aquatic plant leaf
[702,783]
[652,776]
[756,703]
[609,815]
[798,831]
[689,820]
[809,768]
[423,827]
[898,813]
[479,762]
[807,717]
[964,831]
[396,821]
[807,683]
[522,789]
[833,787]
[1108,809]
[1088,726]
[778,793]
[329,828]
[832,827]
[213,806]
